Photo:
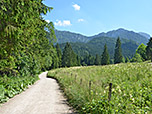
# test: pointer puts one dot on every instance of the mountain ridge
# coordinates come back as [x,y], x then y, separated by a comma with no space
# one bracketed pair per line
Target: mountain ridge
[67,36]
[126,34]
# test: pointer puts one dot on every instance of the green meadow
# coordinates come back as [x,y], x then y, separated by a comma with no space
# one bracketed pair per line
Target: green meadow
[87,88]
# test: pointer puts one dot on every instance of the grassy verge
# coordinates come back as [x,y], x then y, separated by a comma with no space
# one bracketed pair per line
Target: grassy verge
[87,88]
[11,86]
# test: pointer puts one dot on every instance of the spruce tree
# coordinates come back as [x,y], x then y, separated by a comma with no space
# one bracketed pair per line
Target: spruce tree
[59,54]
[91,60]
[97,60]
[149,49]
[69,57]
[78,61]
[118,58]
[105,59]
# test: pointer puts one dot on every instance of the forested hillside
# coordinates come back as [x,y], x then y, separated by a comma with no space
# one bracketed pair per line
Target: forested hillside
[122,33]
[83,45]
[96,45]
[65,36]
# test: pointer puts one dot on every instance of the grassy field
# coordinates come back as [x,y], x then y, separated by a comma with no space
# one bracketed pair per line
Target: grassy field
[87,88]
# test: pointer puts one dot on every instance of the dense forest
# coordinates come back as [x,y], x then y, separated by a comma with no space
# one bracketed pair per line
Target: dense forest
[24,49]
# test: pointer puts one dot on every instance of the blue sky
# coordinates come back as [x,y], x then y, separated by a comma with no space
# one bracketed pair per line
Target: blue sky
[90,17]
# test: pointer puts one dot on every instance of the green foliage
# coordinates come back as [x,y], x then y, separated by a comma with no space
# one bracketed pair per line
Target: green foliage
[69,58]
[23,42]
[136,58]
[131,88]
[142,51]
[78,61]
[149,49]
[96,46]
[25,49]
[105,59]
[118,58]
[59,53]
[97,60]
[11,86]
[127,60]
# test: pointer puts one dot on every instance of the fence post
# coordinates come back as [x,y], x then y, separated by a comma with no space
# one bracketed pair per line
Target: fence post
[90,87]
[80,81]
[110,90]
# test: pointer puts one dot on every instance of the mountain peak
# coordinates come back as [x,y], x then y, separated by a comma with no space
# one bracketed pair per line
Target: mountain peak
[126,34]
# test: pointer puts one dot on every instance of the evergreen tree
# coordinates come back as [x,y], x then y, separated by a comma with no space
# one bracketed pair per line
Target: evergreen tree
[118,58]
[59,54]
[24,47]
[69,57]
[149,49]
[136,58]
[91,60]
[105,59]
[97,60]
[142,51]
[78,61]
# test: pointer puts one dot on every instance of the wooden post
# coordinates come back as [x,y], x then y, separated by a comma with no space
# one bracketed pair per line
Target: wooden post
[80,81]
[110,90]
[90,87]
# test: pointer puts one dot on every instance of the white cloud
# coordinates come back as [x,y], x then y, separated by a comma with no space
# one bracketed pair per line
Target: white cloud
[80,20]
[76,7]
[47,21]
[64,23]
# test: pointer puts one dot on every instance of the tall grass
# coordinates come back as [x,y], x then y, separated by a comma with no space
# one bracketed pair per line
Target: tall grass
[131,87]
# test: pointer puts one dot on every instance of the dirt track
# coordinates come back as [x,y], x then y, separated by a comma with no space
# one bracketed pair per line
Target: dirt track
[44,97]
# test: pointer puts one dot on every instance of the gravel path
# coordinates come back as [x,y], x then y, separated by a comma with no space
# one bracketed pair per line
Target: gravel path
[44,97]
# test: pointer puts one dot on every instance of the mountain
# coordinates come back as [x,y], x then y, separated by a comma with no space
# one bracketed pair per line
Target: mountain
[145,35]
[122,33]
[93,45]
[66,36]
[96,46]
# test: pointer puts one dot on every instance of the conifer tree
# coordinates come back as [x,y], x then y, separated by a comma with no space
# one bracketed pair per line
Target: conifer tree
[118,58]
[91,60]
[105,59]
[69,57]
[149,49]
[59,54]
[97,60]
[78,61]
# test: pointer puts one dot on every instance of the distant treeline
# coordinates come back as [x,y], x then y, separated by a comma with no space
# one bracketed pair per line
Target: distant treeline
[69,58]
